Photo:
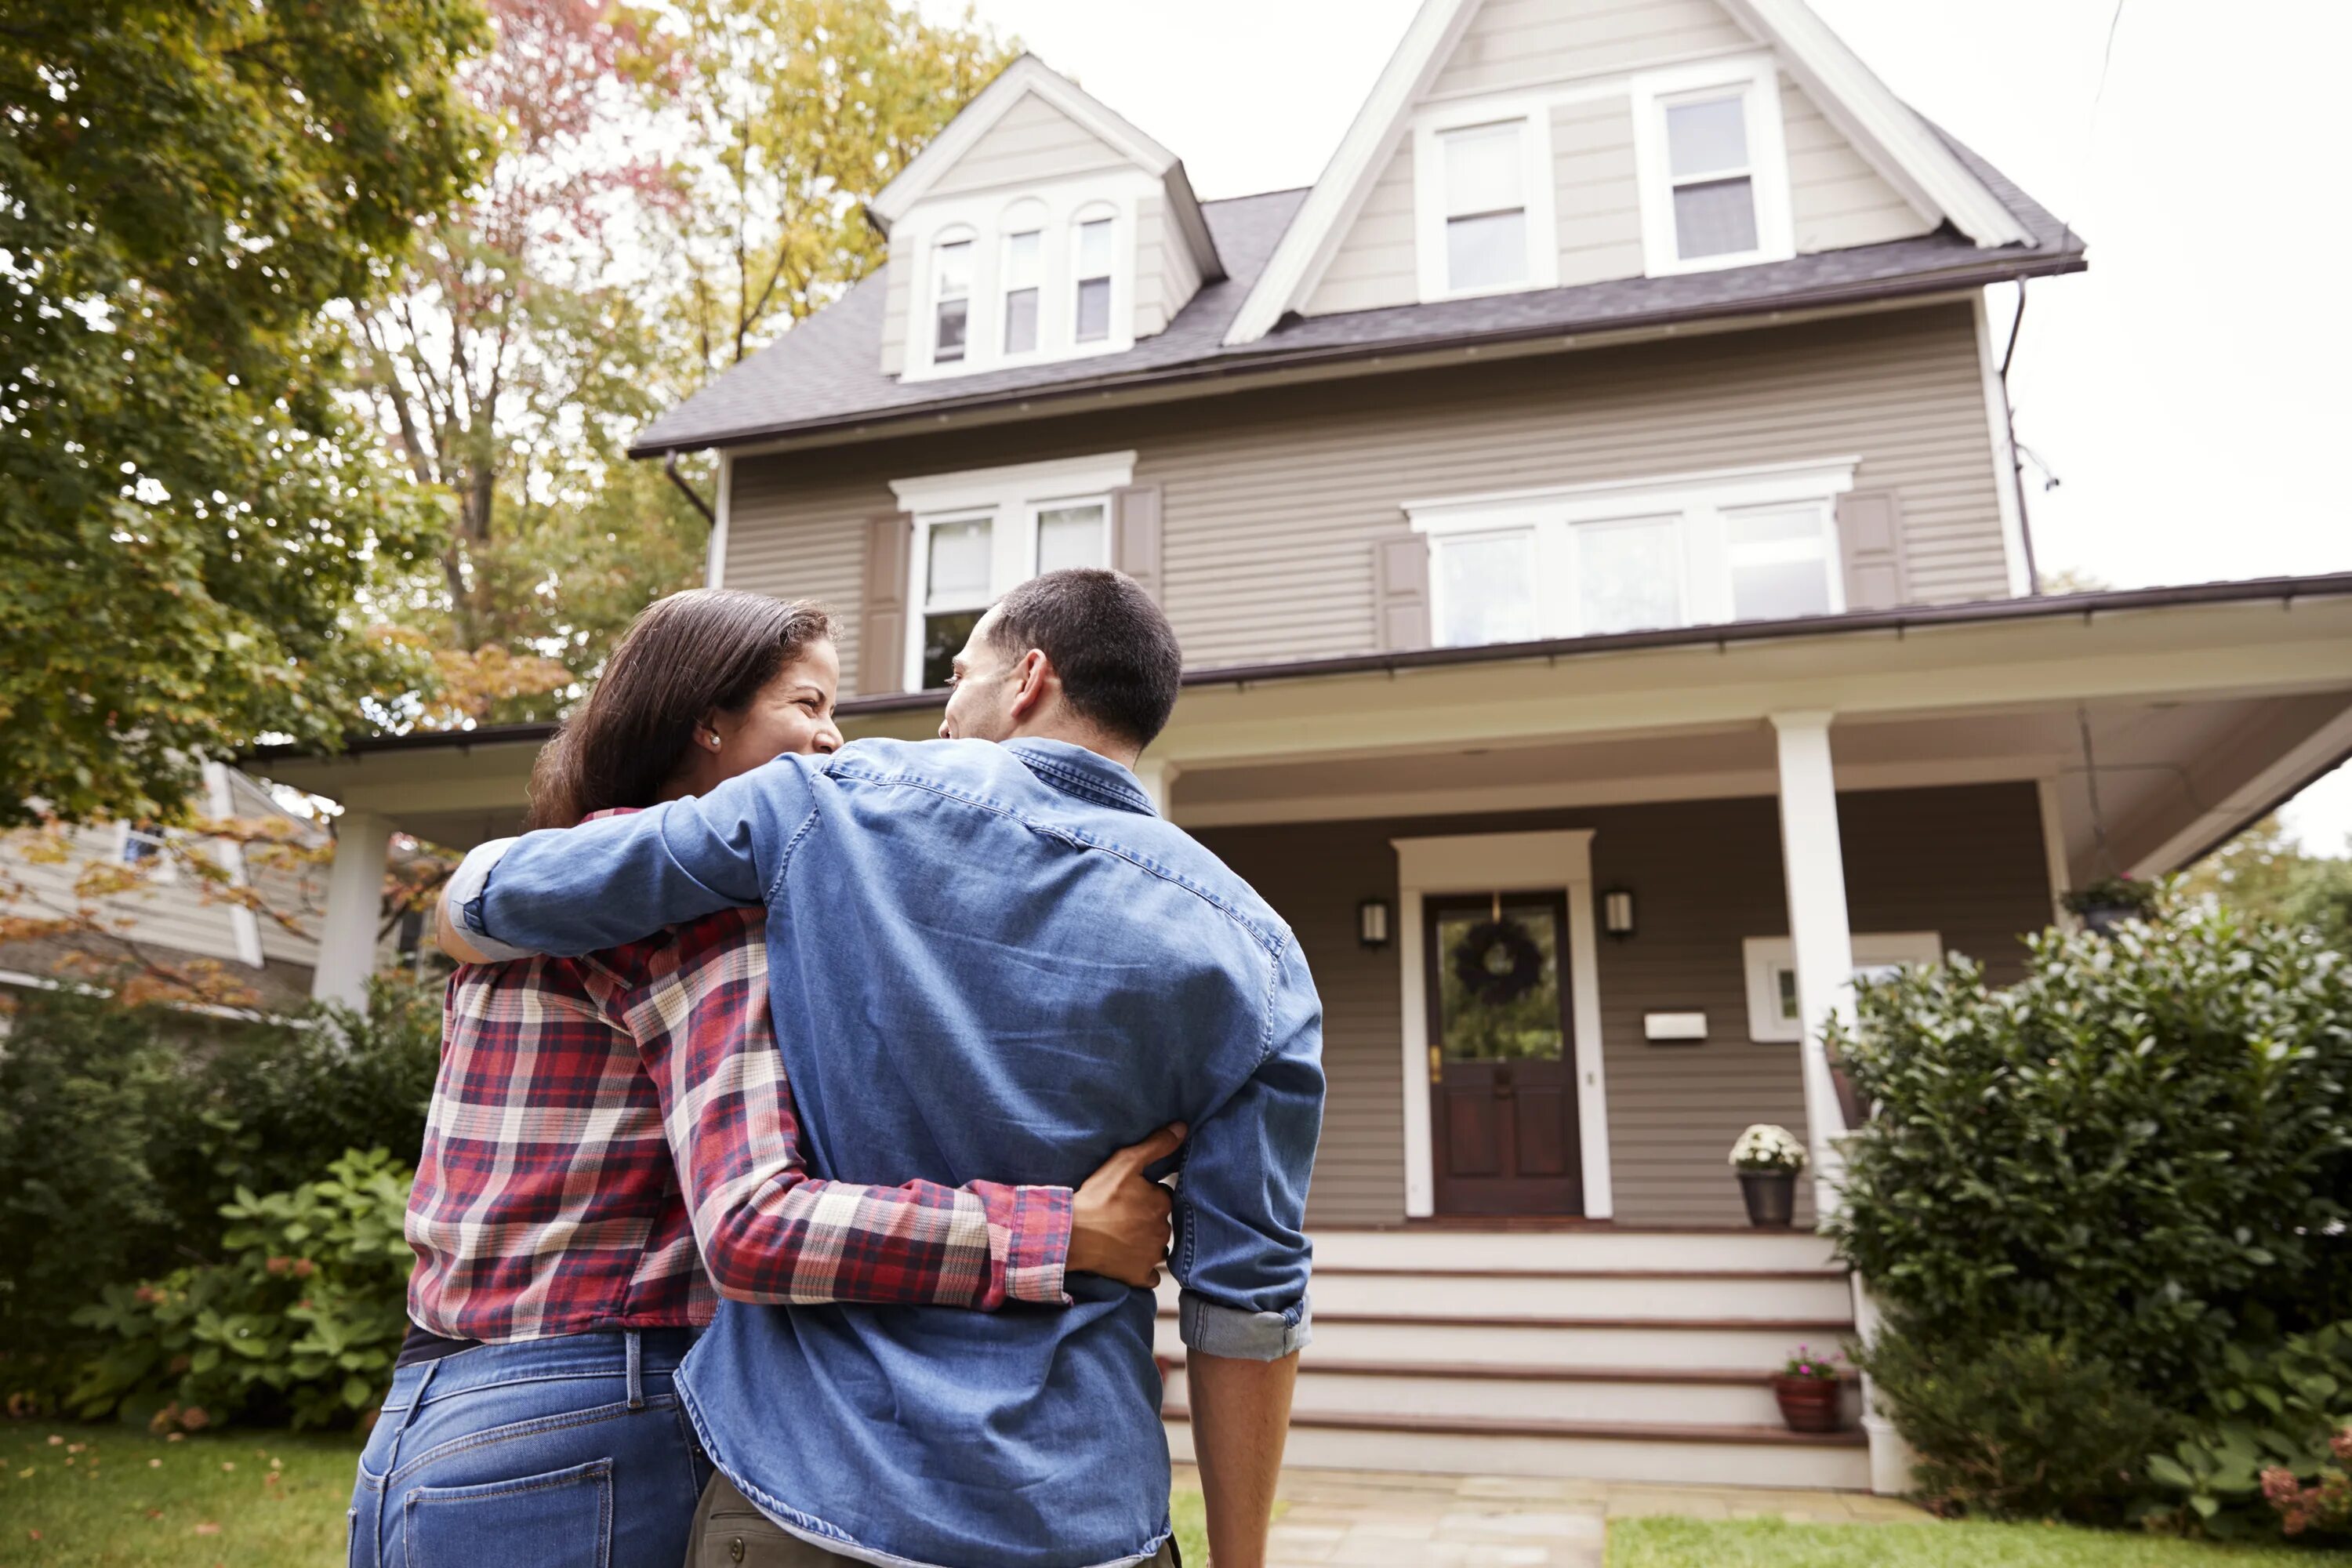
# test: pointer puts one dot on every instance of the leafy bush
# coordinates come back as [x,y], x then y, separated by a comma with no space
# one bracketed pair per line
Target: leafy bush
[2278,1415]
[2144,1149]
[302,1319]
[124,1129]
[2019,1426]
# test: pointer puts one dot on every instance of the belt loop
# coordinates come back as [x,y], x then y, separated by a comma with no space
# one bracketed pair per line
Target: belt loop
[415,1404]
[637,1369]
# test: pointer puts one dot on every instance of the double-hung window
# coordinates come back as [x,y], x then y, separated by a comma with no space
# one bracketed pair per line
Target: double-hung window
[1023,267]
[1485,206]
[951,299]
[1712,165]
[1092,243]
[981,533]
[1752,544]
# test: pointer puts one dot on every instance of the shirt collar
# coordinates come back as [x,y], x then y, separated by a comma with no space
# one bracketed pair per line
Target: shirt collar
[1075,771]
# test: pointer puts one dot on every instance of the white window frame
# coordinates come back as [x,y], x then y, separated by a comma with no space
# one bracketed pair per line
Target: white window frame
[1536,184]
[1010,498]
[1701,502]
[1758,78]
[954,234]
[988,217]
[1766,958]
[161,866]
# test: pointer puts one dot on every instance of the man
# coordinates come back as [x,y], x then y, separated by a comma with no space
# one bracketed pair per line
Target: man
[999,962]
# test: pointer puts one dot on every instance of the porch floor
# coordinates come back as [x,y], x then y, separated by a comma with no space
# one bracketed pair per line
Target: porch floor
[1359,1519]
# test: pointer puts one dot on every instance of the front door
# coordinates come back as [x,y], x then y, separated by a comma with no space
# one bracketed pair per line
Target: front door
[1502,1084]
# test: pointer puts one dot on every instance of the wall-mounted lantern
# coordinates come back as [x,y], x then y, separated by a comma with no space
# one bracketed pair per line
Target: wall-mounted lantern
[1617,912]
[1372,922]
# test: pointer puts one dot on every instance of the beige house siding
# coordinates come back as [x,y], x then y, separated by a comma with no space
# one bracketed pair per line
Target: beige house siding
[1272,499]
[1526,43]
[897,283]
[1032,142]
[1373,266]
[1836,199]
[1595,193]
[1706,875]
[1166,276]
[165,913]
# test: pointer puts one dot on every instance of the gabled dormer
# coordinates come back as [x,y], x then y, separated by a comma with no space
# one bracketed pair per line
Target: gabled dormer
[1037,227]
[1514,145]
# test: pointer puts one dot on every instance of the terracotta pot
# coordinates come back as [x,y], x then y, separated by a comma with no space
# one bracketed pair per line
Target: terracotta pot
[1772,1198]
[1807,1403]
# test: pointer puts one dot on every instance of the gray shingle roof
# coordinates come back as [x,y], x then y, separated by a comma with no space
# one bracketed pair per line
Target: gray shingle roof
[826,373]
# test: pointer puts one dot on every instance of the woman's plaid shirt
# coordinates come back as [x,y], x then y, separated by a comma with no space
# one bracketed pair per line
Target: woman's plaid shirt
[598,1119]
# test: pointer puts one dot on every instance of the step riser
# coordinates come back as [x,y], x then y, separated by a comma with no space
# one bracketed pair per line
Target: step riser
[1643,1404]
[1575,1458]
[1697,1350]
[1446,1296]
[1437,1252]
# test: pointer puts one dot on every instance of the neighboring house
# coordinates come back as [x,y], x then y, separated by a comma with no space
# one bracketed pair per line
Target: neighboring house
[1590,512]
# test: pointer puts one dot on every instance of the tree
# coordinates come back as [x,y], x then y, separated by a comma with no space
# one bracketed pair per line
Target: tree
[798,112]
[186,187]
[2263,872]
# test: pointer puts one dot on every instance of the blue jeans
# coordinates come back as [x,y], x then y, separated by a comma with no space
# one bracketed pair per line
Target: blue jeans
[569,1452]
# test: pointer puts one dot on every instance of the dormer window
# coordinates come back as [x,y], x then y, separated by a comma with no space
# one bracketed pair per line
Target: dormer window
[1092,272]
[1024,264]
[952,298]
[1485,207]
[1712,165]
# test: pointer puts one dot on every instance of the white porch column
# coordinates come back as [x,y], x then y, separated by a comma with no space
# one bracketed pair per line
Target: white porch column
[1157,776]
[354,909]
[1814,864]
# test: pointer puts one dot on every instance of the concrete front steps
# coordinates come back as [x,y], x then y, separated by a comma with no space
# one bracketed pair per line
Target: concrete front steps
[1598,1353]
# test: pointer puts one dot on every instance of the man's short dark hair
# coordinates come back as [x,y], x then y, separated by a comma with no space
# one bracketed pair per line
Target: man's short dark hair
[1114,651]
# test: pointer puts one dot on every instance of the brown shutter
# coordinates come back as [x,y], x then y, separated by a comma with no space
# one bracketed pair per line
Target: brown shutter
[1135,534]
[1870,536]
[882,622]
[1402,576]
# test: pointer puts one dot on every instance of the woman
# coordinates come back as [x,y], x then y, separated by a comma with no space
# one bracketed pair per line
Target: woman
[612,1140]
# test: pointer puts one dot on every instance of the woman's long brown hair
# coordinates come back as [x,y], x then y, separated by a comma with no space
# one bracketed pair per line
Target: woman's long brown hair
[703,650]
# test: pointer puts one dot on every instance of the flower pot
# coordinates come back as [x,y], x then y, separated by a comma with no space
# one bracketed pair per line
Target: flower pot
[1807,1403]
[1772,1198]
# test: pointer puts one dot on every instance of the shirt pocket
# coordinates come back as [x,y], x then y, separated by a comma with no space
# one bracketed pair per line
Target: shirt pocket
[562,1519]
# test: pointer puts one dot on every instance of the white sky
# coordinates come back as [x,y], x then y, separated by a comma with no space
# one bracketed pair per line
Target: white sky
[2184,390]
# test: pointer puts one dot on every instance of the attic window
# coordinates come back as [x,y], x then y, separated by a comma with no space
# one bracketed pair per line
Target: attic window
[1714,166]
[1707,162]
[952,290]
[1093,274]
[1485,206]
[1023,256]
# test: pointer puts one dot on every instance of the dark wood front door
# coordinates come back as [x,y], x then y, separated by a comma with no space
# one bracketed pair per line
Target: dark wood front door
[1502,1079]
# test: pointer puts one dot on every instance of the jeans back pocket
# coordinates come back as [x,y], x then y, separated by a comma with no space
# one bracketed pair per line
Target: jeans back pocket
[560,1520]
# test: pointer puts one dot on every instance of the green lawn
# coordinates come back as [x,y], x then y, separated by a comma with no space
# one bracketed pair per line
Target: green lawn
[111,1497]
[1770,1543]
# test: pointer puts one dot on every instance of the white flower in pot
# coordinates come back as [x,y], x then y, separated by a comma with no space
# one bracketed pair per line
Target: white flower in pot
[1768,1158]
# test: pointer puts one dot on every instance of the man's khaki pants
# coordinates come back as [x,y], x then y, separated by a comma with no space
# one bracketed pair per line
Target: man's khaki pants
[728,1531]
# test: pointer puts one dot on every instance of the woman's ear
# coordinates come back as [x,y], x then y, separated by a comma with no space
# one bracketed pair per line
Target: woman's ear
[708,736]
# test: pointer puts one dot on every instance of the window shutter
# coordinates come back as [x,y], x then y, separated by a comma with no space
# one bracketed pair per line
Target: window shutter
[882,620]
[1870,537]
[1402,580]
[1135,534]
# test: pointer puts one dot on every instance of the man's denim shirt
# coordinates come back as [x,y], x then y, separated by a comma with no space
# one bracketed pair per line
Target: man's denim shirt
[988,963]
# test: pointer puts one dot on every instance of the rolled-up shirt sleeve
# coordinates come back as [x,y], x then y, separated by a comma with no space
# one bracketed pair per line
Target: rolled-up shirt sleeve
[1242,1257]
[579,889]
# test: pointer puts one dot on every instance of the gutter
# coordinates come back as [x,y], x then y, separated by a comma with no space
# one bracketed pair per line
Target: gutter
[1233,366]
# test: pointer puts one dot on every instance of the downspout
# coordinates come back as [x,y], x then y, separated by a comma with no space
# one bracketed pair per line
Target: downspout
[2016,455]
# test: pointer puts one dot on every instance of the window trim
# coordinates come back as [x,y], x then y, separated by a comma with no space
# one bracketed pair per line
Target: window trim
[1701,502]
[934,296]
[1010,498]
[1763,958]
[1757,77]
[160,866]
[1533,113]
[1025,217]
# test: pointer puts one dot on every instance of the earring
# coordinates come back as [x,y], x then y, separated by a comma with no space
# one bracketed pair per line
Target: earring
[714,740]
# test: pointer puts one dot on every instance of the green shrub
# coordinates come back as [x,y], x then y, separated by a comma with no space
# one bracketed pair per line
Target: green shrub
[302,1318]
[2017,1426]
[124,1129]
[2144,1149]
[2276,1415]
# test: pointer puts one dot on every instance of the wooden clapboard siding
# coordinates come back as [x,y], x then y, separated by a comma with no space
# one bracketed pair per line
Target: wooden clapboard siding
[1373,266]
[1964,861]
[895,288]
[1526,43]
[1595,196]
[1034,142]
[1274,502]
[1166,275]
[1835,198]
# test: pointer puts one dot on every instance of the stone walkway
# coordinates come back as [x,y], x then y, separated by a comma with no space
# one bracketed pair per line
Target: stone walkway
[1359,1519]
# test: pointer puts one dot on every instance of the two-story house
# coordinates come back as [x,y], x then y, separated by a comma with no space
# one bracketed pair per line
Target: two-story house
[1590,518]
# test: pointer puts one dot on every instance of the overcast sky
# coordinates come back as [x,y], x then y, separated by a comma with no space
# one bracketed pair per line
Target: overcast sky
[2184,392]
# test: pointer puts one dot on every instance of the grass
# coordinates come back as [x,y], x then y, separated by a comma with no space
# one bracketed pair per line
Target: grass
[113,1496]
[1773,1543]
